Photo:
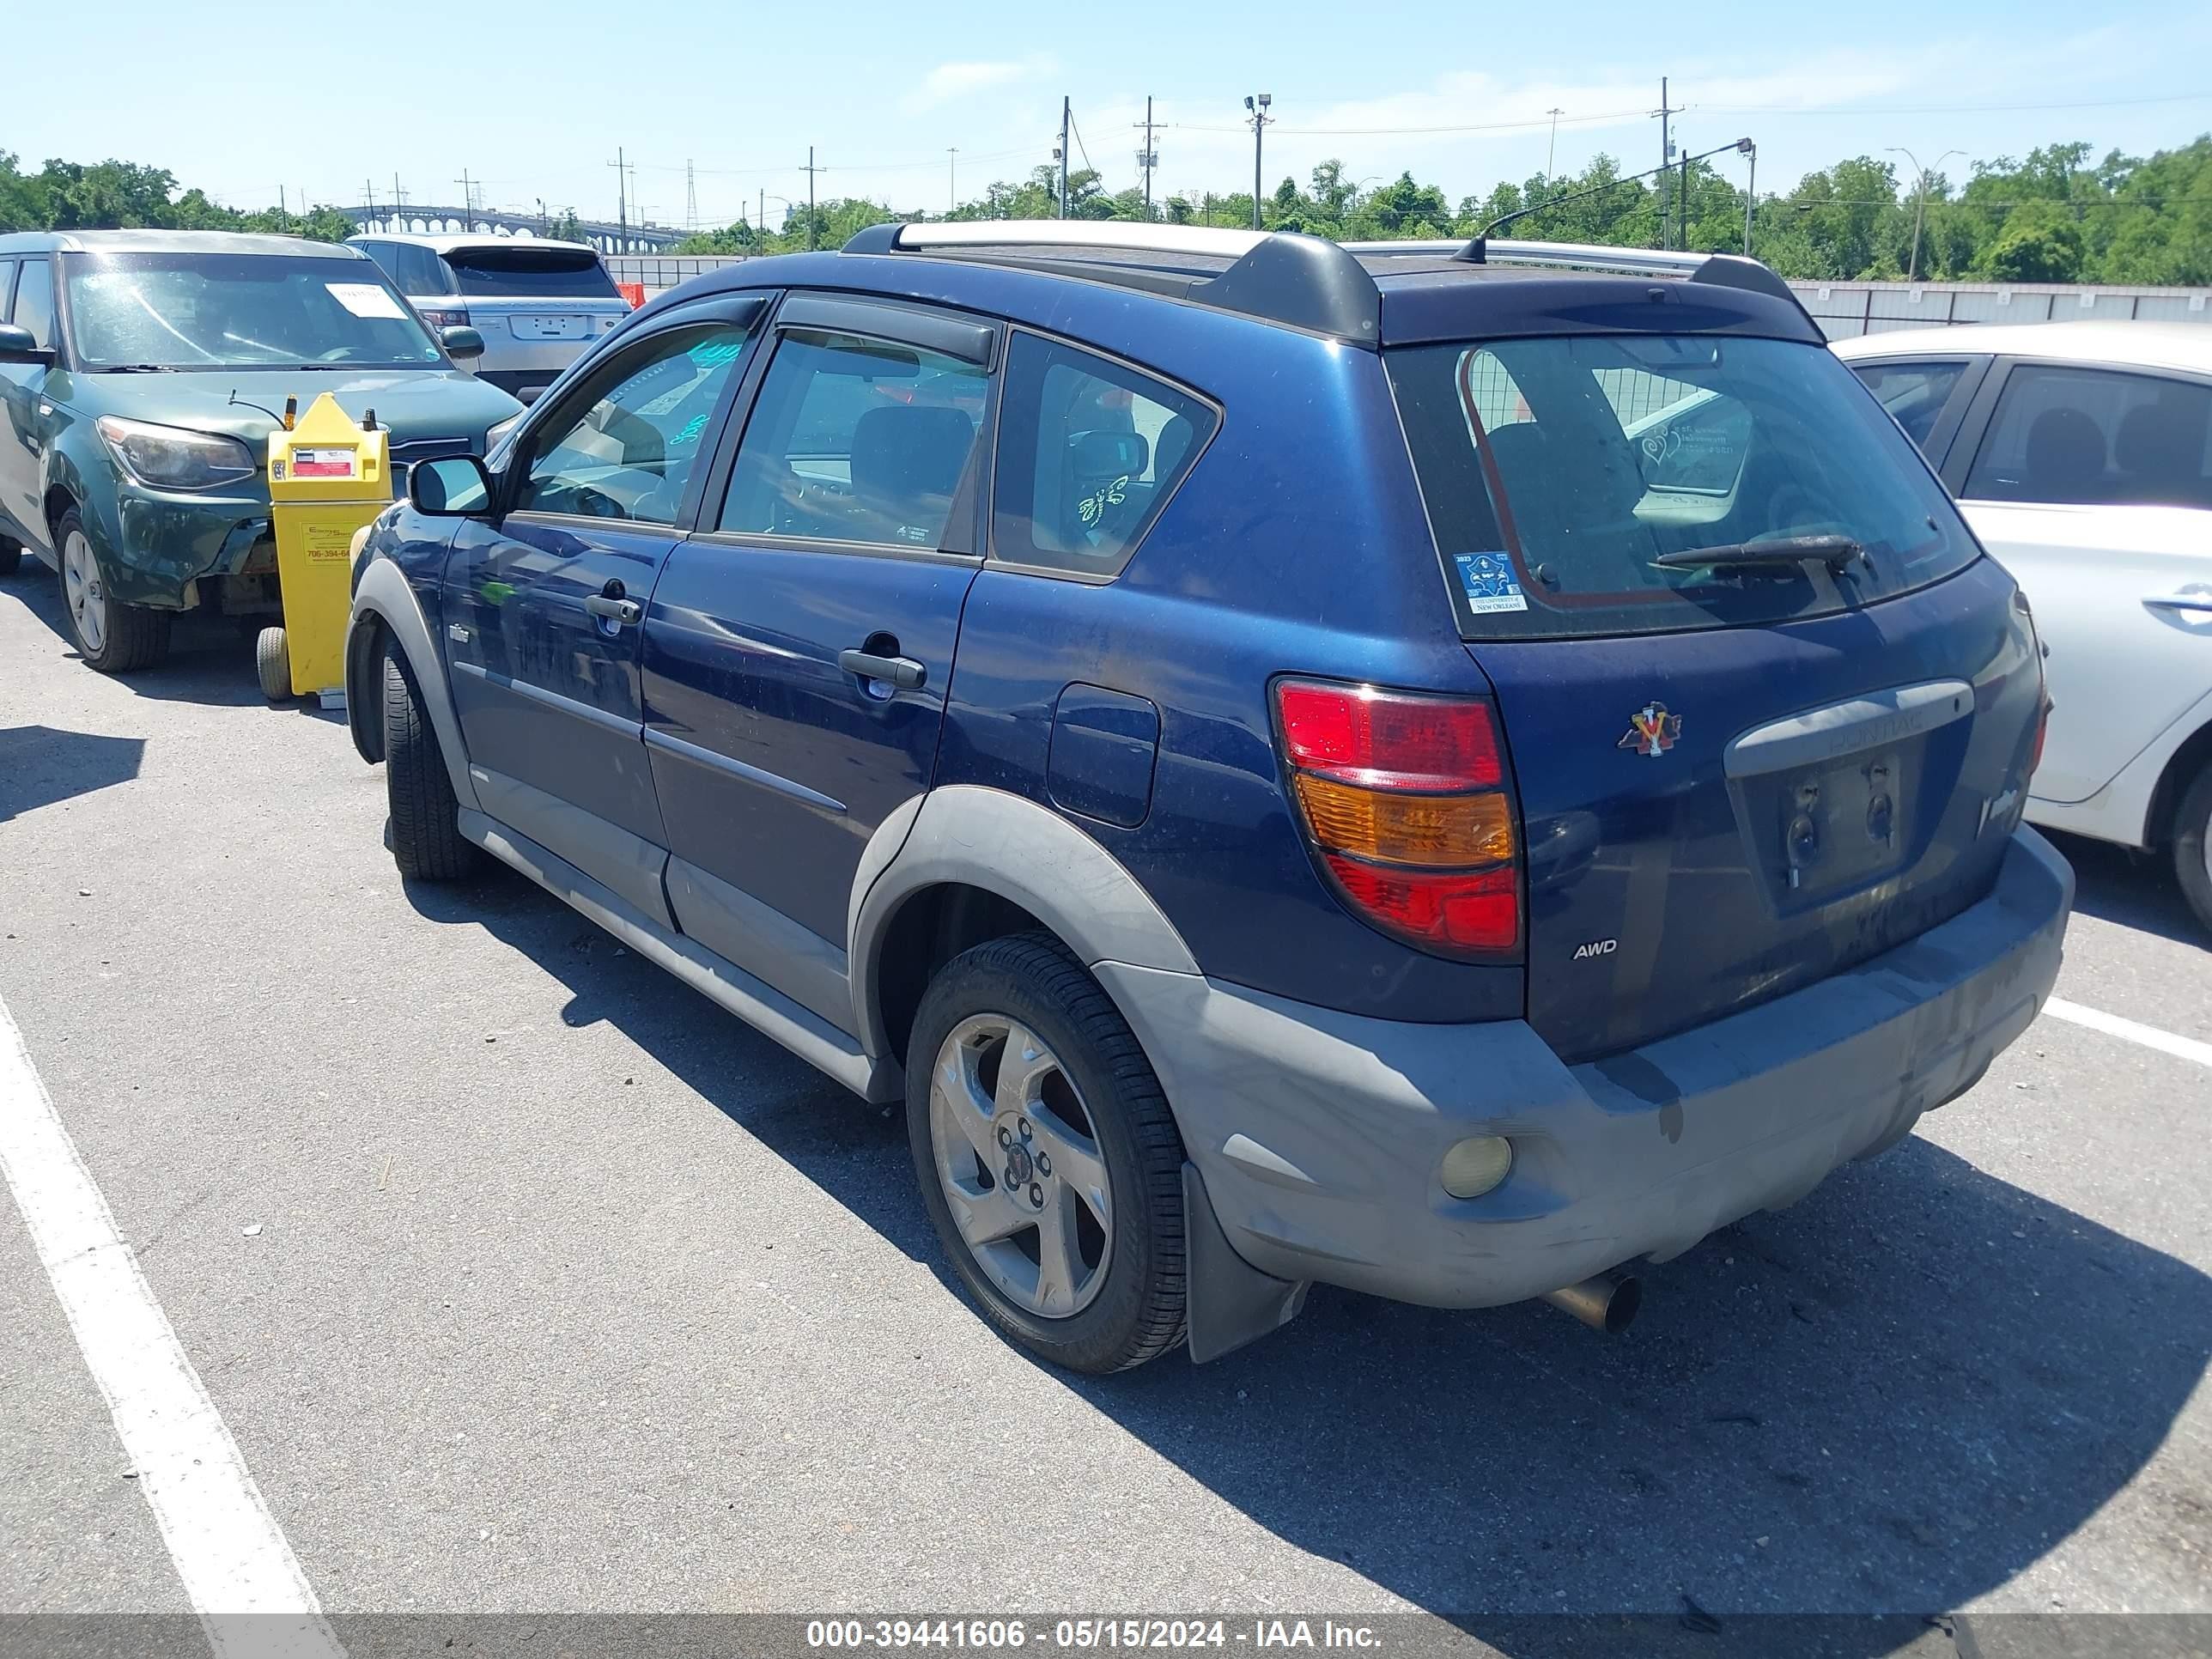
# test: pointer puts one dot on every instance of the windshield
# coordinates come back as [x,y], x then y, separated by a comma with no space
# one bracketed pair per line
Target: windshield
[239,311]
[1559,471]
[534,272]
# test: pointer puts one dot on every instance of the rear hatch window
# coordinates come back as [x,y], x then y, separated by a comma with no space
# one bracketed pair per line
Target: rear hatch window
[1559,472]
[553,273]
[1735,779]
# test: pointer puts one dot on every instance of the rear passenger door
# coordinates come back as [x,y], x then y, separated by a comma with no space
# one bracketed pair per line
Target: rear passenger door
[2093,486]
[544,606]
[798,647]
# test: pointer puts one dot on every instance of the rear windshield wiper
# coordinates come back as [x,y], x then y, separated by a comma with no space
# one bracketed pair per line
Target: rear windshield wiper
[1833,551]
[137,369]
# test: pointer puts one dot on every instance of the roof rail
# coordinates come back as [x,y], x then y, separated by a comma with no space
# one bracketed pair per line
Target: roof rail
[1302,281]
[1119,233]
[1721,270]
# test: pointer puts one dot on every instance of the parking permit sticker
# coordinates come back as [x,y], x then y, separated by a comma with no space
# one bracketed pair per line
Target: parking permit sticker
[365,299]
[1490,582]
[322,464]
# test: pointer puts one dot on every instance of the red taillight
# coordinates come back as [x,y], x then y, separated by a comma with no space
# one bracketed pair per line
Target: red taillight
[1386,740]
[442,316]
[2042,731]
[1403,796]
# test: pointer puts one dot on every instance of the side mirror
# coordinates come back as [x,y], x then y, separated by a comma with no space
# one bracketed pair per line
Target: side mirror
[17,346]
[461,342]
[450,487]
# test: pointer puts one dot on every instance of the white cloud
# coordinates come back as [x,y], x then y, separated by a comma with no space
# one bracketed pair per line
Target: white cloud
[949,83]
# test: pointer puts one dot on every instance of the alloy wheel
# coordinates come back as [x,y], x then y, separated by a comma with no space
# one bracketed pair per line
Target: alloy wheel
[1018,1157]
[87,596]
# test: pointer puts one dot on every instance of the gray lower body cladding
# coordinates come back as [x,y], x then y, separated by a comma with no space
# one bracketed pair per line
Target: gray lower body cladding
[1319,1135]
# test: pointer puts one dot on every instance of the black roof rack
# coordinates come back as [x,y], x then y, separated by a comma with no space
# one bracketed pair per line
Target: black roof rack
[1721,270]
[1283,276]
[1303,282]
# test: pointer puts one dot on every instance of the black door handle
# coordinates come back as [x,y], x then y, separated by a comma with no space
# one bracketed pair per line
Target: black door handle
[904,672]
[625,612]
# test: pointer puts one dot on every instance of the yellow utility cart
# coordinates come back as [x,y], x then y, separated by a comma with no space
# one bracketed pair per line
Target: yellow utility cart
[327,477]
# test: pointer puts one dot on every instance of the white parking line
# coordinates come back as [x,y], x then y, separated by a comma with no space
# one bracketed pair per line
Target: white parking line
[227,1550]
[2127,1030]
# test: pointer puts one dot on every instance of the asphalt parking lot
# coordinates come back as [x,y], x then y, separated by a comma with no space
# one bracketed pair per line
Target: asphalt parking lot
[526,1281]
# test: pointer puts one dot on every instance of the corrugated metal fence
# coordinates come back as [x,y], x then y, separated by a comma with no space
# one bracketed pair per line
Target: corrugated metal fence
[1844,309]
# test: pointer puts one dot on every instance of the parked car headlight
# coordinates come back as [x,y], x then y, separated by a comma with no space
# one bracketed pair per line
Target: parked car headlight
[170,457]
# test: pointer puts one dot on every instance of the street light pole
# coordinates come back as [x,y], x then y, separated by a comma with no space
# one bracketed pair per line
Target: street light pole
[1552,149]
[1260,119]
[1920,202]
[1750,191]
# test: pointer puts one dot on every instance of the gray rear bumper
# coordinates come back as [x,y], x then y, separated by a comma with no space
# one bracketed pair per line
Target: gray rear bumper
[1318,1134]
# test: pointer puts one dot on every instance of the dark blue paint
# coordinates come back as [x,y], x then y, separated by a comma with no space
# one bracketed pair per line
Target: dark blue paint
[741,651]
[517,593]
[1297,545]
[1103,746]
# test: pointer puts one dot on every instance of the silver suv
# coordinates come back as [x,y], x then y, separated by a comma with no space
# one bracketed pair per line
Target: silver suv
[537,303]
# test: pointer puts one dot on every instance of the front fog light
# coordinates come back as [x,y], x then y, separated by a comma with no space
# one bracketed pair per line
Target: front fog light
[1475,1167]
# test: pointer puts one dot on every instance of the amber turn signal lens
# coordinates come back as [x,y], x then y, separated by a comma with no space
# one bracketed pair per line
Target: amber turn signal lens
[1443,830]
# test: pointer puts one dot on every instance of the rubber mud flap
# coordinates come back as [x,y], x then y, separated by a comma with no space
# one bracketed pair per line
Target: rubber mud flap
[1231,1301]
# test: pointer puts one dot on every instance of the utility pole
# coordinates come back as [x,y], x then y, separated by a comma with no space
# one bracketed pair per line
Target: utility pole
[1064,119]
[1666,156]
[690,197]
[1553,150]
[368,196]
[468,199]
[952,178]
[760,211]
[621,165]
[810,171]
[398,203]
[1258,105]
[1148,158]
[1920,203]
[1750,192]
[1685,199]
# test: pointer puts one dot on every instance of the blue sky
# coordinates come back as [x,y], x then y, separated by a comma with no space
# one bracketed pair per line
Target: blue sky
[534,100]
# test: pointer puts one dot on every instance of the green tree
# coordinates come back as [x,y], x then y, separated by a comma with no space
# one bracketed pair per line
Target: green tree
[2041,243]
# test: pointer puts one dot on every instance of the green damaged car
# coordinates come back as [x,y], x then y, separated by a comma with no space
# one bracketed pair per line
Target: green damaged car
[140,373]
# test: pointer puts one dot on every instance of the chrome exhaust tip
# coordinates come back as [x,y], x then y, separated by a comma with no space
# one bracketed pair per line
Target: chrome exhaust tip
[1605,1302]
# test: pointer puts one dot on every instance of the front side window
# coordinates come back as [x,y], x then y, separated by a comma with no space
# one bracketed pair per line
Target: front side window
[629,449]
[1913,393]
[35,301]
[2095,436]
[7,285]
[855,439]
[1088,451]
[209,310]
[1559,472]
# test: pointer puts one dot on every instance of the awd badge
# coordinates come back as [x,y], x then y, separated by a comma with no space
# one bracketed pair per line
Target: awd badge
[1652,731]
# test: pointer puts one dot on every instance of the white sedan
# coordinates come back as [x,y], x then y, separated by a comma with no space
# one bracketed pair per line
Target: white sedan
[2082,454]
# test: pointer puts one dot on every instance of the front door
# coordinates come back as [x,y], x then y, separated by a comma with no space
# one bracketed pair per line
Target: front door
[23,429]
[798,649]
[2093,486]
[544,606]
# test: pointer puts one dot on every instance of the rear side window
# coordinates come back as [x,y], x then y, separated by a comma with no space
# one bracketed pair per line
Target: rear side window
[1088,451]
[855,439]
[35,301]
[7,284]
[1913,393]
[2095,437]
[1557,471]
[553,273]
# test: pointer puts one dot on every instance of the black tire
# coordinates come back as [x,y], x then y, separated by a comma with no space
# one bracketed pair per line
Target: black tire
[2193,842]
[427,843]
[136,637]
[11,556]
[272,663]
[1137,1312]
